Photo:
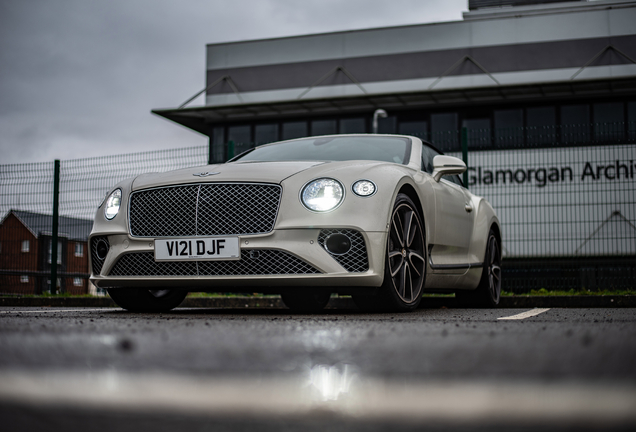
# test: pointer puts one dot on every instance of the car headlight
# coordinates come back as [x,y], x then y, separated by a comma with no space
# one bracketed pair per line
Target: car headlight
[364,188]
[112,204]
[322,195]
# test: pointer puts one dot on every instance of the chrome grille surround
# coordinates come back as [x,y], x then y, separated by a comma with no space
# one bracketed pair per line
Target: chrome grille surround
[252,263]
[355,260]
[205,209]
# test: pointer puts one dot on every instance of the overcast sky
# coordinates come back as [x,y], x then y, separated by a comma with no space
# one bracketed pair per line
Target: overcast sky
[78,78]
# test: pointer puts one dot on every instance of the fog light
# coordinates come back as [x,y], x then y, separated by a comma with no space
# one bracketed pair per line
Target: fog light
[102,249]
[338,244]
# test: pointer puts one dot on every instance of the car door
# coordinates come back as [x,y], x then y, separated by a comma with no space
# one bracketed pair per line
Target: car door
[454,219]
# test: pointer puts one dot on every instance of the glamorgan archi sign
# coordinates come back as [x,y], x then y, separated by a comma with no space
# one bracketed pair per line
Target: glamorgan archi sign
[541,176]
[571,201]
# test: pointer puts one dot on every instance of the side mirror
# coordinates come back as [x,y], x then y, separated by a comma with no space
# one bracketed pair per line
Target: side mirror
[447,165]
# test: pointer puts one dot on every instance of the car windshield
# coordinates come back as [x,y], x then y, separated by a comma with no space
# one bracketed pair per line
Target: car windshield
[338,148]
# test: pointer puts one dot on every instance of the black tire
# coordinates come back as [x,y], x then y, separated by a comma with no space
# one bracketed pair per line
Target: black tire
[405,262]
[488,292]
[144,300]
[307,301]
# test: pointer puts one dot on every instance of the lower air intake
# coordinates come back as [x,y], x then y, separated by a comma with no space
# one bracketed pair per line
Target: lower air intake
[99,245]
[265,262]
[355,260]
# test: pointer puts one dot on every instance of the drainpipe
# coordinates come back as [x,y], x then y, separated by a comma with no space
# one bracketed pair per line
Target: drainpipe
[376,114]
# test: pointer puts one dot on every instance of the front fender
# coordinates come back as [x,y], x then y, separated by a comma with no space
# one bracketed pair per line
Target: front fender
[485,218]
[119,224]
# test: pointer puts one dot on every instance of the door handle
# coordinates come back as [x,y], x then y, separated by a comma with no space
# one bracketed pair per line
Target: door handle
[468,207]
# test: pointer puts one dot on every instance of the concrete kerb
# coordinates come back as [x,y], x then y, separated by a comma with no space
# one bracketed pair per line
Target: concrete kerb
[335,303]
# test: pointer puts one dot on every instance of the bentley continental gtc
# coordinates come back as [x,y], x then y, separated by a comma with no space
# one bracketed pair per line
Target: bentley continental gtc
[383,218]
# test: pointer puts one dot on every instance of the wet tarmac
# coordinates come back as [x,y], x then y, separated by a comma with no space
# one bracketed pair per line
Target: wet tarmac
[210,369]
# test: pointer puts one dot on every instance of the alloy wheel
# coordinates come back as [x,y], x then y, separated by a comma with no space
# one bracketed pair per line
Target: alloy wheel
[494,268]
[406,253]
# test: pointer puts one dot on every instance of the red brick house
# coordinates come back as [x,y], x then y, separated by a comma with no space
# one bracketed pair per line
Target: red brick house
[25,253]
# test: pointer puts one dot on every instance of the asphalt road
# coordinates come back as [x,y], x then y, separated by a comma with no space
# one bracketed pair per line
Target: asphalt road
[210,369]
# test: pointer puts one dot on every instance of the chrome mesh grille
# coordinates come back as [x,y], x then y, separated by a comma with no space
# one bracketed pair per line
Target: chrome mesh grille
[164,212]
[355,260]
[206,209]
[97,263]
[226,209]
[252,262]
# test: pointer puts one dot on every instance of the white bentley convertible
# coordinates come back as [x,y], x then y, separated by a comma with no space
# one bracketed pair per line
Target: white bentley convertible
[384,218]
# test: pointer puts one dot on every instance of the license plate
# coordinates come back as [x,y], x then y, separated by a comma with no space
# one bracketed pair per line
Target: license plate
[198,249]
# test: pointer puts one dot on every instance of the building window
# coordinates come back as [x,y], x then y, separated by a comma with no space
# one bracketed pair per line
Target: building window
[541,123]
[631,120]
[609,121]
[509,127]
[57,286]
[59,252]
[79,249]
[293,130]
[324,127]
[77,281]
[265,133]
[387,125]
[355,125]
[478,133]
[26,245]
[240,135]
[444,131]
[414,128]
[575,123]
[24,279]
[218,145]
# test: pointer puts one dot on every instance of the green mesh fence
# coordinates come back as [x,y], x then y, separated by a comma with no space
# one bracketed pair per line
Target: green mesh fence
[26,211]
[84,182]
[566,199]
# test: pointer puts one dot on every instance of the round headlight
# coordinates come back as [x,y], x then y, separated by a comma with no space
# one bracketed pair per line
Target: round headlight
[322,195]
[364,188]
[112,204]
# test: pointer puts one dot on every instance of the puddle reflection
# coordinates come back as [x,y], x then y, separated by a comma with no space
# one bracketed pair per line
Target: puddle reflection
[332,383]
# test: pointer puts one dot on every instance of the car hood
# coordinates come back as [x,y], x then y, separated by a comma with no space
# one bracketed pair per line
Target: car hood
[259,172]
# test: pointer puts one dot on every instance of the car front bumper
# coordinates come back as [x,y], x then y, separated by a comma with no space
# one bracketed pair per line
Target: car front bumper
[281,258]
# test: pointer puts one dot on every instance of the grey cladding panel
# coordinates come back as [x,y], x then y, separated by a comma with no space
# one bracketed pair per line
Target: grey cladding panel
[429,64]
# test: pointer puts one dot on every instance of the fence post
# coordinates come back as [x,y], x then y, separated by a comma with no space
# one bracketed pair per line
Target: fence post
[210,151]
[54,229]
[465,154]
[230,150]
